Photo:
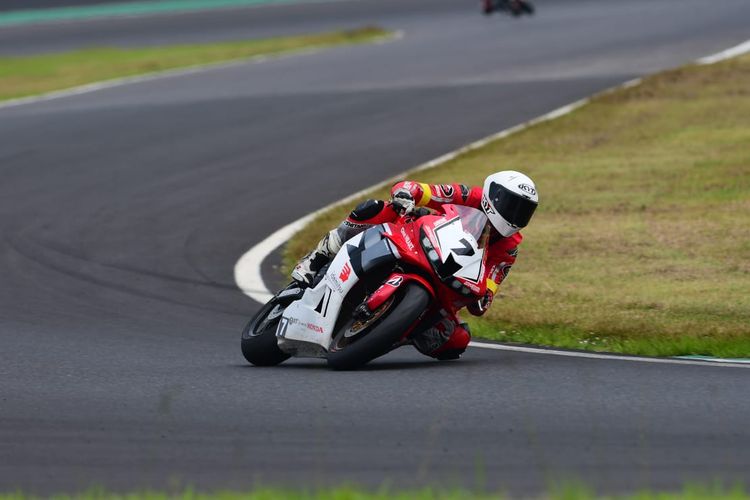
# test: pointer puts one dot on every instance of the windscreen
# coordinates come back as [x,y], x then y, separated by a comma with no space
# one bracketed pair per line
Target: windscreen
[475,223]
[460,246]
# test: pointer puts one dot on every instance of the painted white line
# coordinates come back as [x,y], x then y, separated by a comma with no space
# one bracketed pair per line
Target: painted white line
[247,270]
[743,361]
[729,363]
[735,51]
[171,73]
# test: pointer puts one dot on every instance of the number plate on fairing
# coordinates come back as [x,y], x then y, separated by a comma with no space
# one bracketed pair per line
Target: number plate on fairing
[462,246]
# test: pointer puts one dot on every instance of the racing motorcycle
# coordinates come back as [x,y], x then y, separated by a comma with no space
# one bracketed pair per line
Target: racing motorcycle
[384,286]
[513,7]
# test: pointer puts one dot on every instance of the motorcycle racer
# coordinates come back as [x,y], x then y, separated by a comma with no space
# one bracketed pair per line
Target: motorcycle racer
[514,7]
[508,198]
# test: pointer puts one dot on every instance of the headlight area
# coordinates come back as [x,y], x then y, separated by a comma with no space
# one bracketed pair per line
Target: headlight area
[444,272]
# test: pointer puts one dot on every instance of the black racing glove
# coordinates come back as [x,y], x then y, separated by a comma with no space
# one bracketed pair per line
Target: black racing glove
[480,307]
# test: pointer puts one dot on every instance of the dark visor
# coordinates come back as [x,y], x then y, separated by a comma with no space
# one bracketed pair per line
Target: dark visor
[513,207]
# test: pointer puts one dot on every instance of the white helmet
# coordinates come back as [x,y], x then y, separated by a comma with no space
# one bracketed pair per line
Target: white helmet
[509,199]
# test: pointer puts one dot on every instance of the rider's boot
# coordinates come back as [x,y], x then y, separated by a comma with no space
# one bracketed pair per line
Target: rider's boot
[306,269]
[445,340]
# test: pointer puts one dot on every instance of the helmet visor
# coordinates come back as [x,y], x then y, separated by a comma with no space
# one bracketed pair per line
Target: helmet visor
[513,207]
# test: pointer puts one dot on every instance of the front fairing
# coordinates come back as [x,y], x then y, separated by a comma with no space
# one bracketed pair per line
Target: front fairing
[450,246]
[308,324]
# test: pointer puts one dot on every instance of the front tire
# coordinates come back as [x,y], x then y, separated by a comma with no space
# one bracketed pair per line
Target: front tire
[259,344]
[352,348]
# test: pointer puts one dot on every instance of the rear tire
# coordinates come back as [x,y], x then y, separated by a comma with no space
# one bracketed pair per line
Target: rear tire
[349,353]
[259,344]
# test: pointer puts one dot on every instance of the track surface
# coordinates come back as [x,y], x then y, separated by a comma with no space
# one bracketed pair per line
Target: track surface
[123,212]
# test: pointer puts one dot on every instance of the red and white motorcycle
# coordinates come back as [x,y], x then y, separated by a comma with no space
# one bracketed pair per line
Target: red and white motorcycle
[386,285]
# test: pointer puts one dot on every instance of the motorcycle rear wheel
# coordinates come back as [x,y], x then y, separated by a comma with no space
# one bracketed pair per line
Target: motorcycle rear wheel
[377,337]
[259,344]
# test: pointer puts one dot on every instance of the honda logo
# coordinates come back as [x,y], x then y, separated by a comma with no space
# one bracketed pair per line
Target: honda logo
[345,272]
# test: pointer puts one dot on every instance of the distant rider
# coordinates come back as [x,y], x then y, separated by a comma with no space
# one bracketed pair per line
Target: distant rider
[508,199]
[515,7]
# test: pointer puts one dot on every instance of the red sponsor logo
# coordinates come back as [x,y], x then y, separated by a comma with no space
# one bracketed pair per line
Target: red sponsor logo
[315,328]
[345,272]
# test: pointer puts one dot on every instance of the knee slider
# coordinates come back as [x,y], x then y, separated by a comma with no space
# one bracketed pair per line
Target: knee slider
[367,210]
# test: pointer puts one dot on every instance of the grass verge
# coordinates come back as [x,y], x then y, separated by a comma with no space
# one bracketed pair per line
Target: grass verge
[565,492]
[25,76]
[641,243]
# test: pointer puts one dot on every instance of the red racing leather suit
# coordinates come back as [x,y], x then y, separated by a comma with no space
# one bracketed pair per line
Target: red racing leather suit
[448,338]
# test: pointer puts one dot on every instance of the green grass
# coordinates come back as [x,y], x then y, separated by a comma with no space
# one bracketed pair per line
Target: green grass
[565,492]
[30,75]
[641,243]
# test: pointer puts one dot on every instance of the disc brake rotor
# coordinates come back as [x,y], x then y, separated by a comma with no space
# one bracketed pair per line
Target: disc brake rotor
[359,325]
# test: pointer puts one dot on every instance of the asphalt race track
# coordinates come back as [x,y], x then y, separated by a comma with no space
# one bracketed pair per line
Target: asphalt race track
[123,212]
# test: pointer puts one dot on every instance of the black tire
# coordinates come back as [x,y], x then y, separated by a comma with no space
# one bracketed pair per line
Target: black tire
[528,8]
[379,337]
[259,344]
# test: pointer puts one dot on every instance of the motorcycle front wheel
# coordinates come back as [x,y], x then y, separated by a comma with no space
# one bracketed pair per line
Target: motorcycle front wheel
[357,342]
[259,344]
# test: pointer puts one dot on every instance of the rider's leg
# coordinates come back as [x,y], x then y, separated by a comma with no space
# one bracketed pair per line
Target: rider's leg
[365,215]
[306,269]
[446,339]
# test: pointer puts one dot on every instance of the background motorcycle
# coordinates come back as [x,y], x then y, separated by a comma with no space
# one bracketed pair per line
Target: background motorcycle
[386,285]
[513,7]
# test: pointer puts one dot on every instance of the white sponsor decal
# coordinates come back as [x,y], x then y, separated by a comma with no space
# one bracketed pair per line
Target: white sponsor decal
[407,239]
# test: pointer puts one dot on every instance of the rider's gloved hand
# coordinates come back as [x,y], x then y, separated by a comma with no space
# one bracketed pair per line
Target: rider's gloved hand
[403,201]
[480,306]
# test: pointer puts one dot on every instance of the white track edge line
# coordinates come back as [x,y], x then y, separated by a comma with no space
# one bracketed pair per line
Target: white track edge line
[729,363]
[183,71]
[737,50]
[247,270]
